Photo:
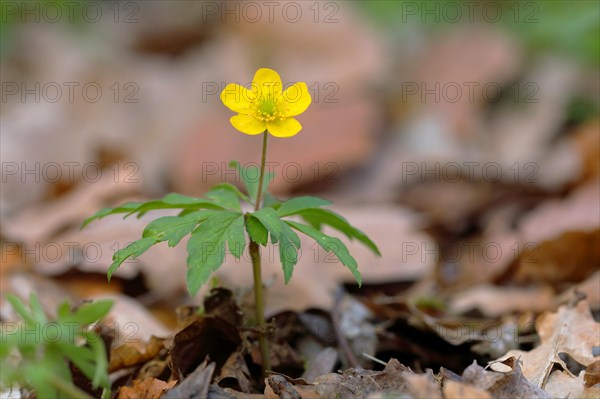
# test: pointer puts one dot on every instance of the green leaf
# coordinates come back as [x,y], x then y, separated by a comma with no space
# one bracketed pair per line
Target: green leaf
[37,310]
[206,247]
[295,205]
[82,357]
[330,244]
[100,377]
[176,201]
[270,219]
[231,188]
[250,175]
[20,308]
[134,250]
[89,312]
[288,240]
[236,240]
[289,244]
[174,228]
[269,200]
[317,217]
[225,198]
[257,232]
[169,201]
[125,208]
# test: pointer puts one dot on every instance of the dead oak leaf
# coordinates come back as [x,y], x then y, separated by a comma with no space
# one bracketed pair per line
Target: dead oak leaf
[133,353]
[150,388]
[561,384]
[571,330]
[350,384]
[509,384]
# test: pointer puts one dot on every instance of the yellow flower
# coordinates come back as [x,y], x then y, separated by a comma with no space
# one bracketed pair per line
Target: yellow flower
[266,106]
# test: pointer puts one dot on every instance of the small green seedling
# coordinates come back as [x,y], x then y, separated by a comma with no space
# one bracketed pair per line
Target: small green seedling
[216,221]
[35,352]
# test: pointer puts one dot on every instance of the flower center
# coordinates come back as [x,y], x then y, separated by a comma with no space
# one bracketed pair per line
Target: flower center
[267,109]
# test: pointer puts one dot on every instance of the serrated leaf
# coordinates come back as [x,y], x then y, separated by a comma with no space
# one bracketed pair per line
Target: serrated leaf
[176,201]
[169,201]
[225,198]
[250,176]
[257,232]
[134,250]
[295,205]
[270,219]
[125,208]
[288,240]
[269,200]
[330,244]
[236,240]
[231,188]
[317,217]
[289,244]
[206,247]
[174,228]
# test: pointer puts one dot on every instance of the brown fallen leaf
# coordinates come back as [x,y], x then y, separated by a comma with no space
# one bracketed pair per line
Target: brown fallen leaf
[592,374]
[423,385]
[322,363]
[495,301]
[206,336]
[132,353]
[40,223]
[132,321]
[195,385]
[511,384]
[590,288]
[563,238]
[459,390]
[563,385]
[587,142]
[571,330]
[235,374]
[351,383]
[281,387]
[150,388]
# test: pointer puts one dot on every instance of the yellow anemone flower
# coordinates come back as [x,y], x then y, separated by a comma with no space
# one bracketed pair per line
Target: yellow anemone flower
[266,106]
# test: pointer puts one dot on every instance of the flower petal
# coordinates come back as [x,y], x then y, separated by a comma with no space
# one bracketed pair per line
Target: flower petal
[284,128]
[237,98]
[267,83]
[297,99]
[247,124]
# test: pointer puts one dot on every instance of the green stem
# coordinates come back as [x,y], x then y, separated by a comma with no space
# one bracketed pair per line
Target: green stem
[256,269]
[262,172]
[260,309]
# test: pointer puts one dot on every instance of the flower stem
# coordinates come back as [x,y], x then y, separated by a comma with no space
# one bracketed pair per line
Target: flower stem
[256,269]
[262,172]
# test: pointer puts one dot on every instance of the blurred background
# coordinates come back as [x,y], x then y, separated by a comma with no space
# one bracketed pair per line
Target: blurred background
[462,136]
